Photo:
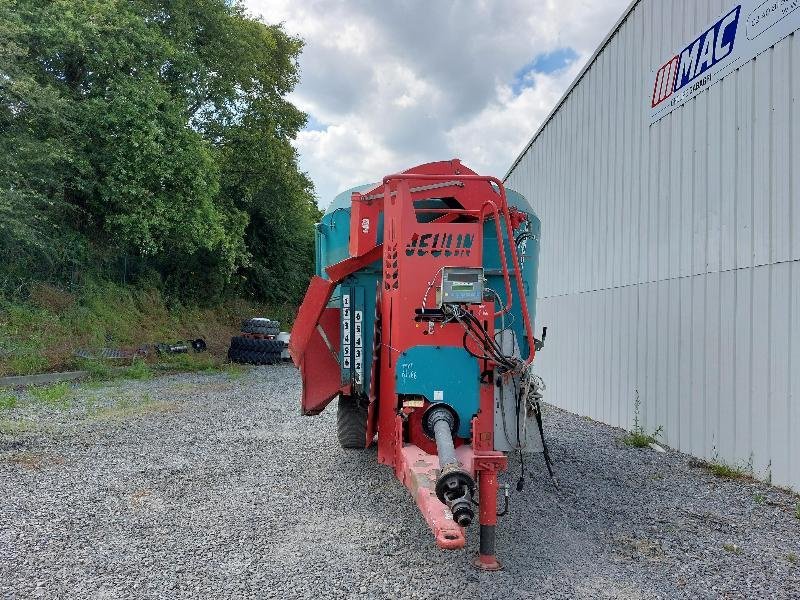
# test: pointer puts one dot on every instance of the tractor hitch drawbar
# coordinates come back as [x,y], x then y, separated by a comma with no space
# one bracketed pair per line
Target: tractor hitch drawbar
[454,486]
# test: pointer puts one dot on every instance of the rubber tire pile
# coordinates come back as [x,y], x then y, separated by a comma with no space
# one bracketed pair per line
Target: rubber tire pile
[257,344]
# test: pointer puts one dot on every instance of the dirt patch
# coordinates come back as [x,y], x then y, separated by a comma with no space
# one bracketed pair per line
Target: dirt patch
[34,461]
[124,410]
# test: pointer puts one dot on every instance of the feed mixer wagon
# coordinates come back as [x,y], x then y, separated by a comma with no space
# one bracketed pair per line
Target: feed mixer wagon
[420,321]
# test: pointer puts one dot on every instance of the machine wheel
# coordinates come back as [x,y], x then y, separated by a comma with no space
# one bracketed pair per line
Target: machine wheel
[351,423]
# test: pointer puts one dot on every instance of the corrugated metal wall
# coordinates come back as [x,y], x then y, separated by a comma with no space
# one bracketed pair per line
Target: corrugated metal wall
[671,254]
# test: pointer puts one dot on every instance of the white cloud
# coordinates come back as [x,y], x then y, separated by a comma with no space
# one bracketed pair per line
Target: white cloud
[494,137]
[396,84]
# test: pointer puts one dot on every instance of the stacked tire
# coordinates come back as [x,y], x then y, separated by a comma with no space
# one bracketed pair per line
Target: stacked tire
[257,344]
[260,328]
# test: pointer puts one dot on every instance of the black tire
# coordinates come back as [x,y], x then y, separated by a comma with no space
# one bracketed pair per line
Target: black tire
[257,321]
[251,357]
[256,345]
[262,326]
[351,423]
[271,329]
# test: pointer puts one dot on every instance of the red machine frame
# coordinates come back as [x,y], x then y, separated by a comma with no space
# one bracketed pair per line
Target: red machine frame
[413,253]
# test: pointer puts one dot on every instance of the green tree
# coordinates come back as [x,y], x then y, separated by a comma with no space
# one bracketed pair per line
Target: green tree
[245,71]
[33,163]
[157,129]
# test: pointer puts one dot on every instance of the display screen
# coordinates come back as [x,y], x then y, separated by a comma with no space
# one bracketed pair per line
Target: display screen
[463,277]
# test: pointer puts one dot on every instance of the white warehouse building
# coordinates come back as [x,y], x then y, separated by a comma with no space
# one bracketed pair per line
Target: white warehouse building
[668,184]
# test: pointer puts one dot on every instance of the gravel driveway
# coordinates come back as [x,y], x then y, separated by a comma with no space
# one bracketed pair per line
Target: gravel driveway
[213,486]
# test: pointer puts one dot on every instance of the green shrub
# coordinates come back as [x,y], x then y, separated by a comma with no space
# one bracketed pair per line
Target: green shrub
[27,363]
[641,439]
[638,437]
[138,370]
[97,369]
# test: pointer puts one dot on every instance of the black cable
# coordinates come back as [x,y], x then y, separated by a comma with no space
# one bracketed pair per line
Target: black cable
[493,347]
[470,352]
[467,330]
[494,352]
[474,320]
[505,507]
[472,325]
[545,452]
[521,483]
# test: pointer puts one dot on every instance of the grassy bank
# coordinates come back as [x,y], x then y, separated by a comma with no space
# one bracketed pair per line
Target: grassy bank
[41,333]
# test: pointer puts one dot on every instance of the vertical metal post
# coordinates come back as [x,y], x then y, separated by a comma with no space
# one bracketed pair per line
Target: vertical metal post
[487,486]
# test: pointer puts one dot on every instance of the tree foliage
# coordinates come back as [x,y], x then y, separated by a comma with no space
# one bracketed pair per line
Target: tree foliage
[157,129]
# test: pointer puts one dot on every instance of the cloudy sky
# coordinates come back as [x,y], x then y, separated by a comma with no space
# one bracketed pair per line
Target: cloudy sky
[391,84]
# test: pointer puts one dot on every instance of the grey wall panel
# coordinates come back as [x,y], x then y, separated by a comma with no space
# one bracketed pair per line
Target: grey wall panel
[671,253]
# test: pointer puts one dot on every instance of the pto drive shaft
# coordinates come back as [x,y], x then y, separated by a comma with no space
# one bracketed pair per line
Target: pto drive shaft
[455,486]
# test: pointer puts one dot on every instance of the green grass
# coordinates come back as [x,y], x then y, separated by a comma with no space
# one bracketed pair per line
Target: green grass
[97,369]
[137,370]
[27,362]
[792,558]
[54,395]
[797,511]
[16,427]
[234,371]
[127,408]
[759,498]
[7,401]
[101,374]
[40,330]
[727,471]
[638,437]
[190,363]
[733,548]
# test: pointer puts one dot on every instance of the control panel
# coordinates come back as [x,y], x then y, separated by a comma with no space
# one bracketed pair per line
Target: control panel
[461,285]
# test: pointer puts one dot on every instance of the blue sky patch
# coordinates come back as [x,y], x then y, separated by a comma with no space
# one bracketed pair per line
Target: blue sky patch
[313,125]
[549,62]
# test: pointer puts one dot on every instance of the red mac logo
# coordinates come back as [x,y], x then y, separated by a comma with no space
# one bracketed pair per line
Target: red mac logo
[665,81]
[713,46]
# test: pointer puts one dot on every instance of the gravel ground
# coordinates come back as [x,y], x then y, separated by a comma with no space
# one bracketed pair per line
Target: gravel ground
[212,486]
